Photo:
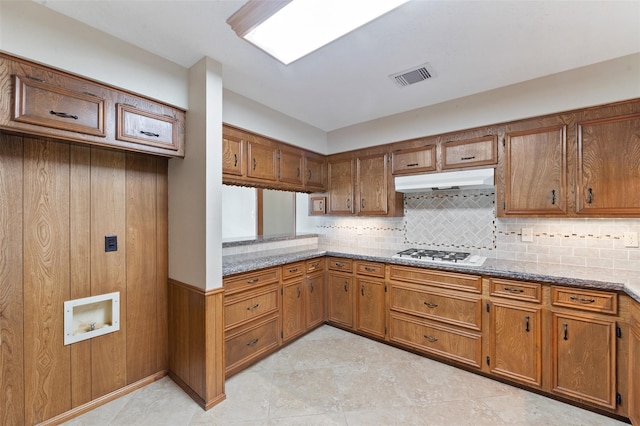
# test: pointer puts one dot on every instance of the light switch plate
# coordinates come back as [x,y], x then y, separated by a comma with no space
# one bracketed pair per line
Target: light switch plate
[630,239]
[527,235]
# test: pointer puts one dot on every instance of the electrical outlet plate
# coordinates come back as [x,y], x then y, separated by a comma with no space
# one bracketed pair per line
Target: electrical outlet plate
[527,235]
[630,239]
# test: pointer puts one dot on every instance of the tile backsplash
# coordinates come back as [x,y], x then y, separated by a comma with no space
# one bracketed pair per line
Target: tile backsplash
[464,220]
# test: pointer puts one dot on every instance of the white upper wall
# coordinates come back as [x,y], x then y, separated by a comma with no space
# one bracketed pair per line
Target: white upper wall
[609,81]
[37,33]
[247,114]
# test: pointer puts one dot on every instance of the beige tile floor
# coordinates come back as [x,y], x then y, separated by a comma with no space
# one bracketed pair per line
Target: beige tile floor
[331,377]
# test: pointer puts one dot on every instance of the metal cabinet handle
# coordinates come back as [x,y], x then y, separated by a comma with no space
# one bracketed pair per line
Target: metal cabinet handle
[526,319]
[252,342]
[251,308]
[346,286]
[467,158]
[349,203]
[63,114]
[590,199]
[321,205]
[431,305]
[155,135]
[235,160]
[553,196]
[430,338]
[514,290]
[298,173]
[582,299]
[255,163]
[308,174]
[311,287]
[255,280]
[362,204]
[299,292]
[362,289]
[564,325]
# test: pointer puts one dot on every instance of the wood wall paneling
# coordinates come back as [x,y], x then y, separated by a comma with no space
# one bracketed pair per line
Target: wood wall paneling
[162,264]
[11,292]
[80,263]
[108,352]
[46,278]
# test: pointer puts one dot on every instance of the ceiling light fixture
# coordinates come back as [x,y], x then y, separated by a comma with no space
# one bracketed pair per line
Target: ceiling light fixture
[291,29]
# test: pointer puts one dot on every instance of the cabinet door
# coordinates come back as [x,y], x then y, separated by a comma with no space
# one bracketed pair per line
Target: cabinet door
[608,180]
[634,366]
[314,172]
[535,172]
[340,186]
[470,153]
[515,345]
[315,300]
[415,160]
[263,161]
[340,300]
[372,184]
[232,156]
[371,311]
[583,360]
[292,310]
[291,166]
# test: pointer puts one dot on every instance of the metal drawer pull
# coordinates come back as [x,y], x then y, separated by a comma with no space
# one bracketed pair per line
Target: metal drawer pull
[253,342]
[63,114]
[514,290]
[581,299]
[564,325]
[314,265]
[413,165]
[369,269]
[467,158]
[431,305]
[291,271]
[339,264]
[255,280]
[526,319]
[155,135]
[251,308]
[431,339]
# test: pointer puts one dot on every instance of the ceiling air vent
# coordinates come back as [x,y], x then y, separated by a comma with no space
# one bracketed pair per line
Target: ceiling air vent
[412,76]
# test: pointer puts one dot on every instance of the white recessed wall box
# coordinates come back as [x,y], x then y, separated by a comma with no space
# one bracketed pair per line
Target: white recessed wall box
[91,317]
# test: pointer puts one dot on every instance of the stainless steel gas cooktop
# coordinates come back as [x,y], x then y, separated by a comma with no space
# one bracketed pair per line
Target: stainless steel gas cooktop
[441,256]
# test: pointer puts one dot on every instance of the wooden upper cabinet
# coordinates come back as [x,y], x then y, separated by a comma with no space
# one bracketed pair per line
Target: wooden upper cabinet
[608,179]
[315,167]
[147,128]
[58,106]
[372,184]
[535,172]
[263,160]
[340,186]
[291,162]
[481,151]
[413,160]
[233,159]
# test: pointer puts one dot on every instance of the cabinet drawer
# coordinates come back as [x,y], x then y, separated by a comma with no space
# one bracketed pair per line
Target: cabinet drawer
[457,309]
[448,280]
[530,292]
[339,264]
[58,107]
[586,300]
[242,307]
[144,127]
[470,153]
[416,160]
[371,269]
[315,265]
[250,343]
[241,282]
[292,270]
[461,346]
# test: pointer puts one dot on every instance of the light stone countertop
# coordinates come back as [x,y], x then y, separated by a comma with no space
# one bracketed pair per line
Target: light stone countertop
[567,275]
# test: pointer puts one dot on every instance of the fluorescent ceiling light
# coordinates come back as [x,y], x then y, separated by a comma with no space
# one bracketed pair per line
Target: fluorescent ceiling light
[291,29]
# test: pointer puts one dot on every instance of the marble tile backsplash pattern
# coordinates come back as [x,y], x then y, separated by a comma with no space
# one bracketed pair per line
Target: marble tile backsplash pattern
[464,220]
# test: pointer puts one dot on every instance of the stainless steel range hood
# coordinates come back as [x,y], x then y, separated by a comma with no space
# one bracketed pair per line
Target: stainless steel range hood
[467,179]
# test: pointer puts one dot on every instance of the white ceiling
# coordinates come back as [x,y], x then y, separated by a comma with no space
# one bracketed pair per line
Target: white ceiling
[473,46]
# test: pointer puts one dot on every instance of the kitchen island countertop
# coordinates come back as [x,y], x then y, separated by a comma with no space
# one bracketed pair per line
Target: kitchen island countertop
[567,275]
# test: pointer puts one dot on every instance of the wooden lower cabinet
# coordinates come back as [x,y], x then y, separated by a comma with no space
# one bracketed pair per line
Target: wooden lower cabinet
[583,358]
[371,308]
[434,338]
[315,305]
[247,344]
[340,299]
[293,313]
[634,365]
[515,336]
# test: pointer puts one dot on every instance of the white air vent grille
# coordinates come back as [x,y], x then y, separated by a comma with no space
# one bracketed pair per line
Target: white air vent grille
[412,76]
